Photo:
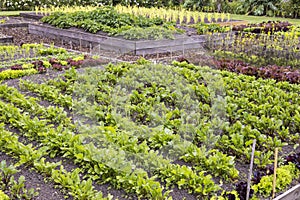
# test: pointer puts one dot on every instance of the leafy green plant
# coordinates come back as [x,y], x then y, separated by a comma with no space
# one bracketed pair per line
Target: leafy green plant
[203,28]
[6,174]
[284,177]
[17,189]
[11,74]
[3,196]
[105,19]
[149,33]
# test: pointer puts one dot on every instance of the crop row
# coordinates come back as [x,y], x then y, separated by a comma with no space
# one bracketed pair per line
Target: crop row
[125,126]
[30,156]
[278,73]
[267,141]
[258,49]
[128,143]
[12,52]
[78,157]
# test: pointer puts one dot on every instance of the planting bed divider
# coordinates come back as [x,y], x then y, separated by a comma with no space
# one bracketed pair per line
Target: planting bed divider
[14,25]
[32,16]
[6,39]
[140,47]
[291,194]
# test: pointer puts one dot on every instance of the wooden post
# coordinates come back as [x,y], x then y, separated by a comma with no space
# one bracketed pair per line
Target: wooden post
[250,170]
[275,169]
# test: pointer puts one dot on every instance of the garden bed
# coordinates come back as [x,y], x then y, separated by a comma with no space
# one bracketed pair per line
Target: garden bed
[140,117]
[139,34]
[22,36]
[216,165]
[140,47]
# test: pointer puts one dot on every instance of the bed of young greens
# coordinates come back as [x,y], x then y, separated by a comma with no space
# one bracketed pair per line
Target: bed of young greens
[148,128]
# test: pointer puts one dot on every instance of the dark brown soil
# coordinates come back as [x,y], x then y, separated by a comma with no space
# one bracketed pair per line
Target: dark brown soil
[47,190]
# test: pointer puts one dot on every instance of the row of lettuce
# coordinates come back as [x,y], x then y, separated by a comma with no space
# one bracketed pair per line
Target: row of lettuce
[37,58]
[236,57]
[181,112]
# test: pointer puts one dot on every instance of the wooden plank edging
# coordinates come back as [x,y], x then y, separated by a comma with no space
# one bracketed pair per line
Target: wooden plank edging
[291,194]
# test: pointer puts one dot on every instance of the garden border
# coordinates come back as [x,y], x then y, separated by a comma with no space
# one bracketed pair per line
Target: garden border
[6,39]
[291,194]
[14,25]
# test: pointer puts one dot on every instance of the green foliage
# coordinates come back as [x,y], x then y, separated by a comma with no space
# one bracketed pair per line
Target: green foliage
[3,196]
[203,28]
[170,111]
[284,177]
[108,20]
[17,189]
[30,4]
[199,4]
[51,51]
[289,9]
[149,33]
[6,175]
[11,74]
[260,7]
[258,49]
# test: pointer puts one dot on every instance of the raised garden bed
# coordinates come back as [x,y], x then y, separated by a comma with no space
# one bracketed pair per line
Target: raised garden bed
[78,37]
[91,31]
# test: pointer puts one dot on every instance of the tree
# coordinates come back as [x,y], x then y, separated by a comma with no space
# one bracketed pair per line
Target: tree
[260,7]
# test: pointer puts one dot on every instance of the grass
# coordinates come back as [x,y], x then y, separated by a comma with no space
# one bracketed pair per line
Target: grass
[258,19]
[11,13]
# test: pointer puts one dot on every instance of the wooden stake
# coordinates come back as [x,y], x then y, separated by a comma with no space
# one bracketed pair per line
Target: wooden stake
[275,169]
[80,45]
[250,170]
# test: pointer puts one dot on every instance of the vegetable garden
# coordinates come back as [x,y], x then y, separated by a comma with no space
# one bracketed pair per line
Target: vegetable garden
[93,129]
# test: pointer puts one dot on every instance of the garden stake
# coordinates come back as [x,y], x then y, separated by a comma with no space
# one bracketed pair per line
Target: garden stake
[275,169]
[250,170]
[80,44]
